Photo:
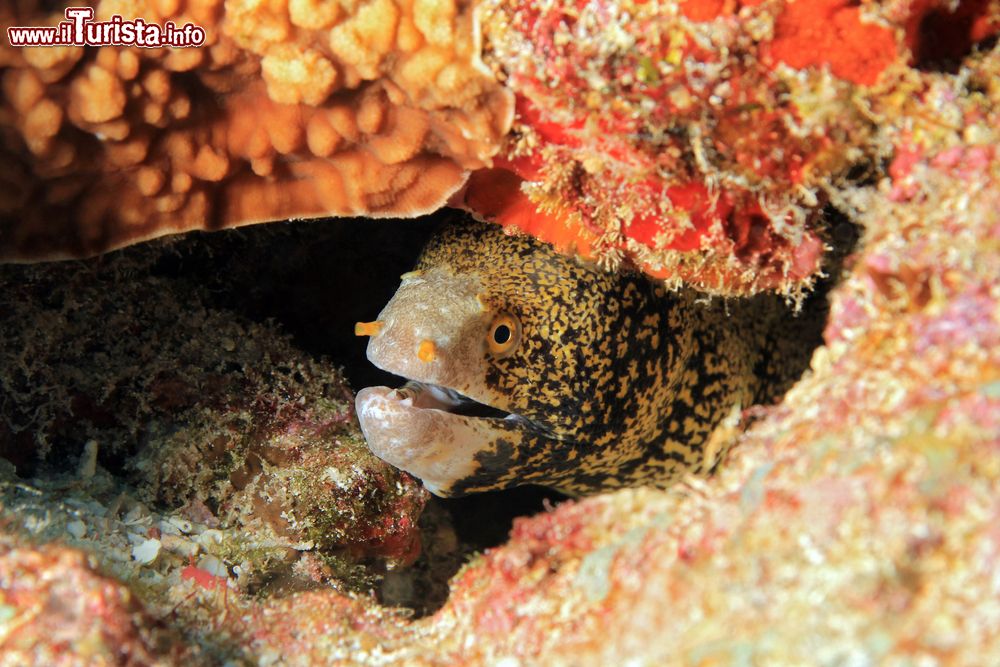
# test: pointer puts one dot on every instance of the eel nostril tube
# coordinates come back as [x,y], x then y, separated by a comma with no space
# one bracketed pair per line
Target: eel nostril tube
[368,328]
[427,351]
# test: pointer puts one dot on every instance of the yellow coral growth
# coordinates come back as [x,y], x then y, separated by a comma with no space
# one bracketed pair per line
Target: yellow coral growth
[291,108]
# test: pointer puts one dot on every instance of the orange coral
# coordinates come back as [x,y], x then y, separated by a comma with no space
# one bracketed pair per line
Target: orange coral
[700,140]
[292,108]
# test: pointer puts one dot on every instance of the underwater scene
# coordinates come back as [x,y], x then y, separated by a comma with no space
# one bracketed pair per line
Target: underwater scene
[494,332]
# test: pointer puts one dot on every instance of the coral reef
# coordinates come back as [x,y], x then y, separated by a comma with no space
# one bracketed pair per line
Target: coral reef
[290,109]
[853,522]
[695,140]
[863,507]
[698,140]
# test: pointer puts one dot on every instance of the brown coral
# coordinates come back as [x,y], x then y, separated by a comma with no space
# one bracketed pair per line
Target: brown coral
[293,108]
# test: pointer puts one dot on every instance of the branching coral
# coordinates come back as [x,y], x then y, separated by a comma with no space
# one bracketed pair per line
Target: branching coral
[293,108]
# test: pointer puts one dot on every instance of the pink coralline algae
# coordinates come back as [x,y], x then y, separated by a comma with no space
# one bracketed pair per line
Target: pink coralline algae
[57,609]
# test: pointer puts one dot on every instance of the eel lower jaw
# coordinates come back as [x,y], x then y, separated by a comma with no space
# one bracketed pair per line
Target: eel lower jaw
[431,432]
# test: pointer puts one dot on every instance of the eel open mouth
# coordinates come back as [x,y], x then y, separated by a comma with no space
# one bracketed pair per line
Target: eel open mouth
[433,432]
[427,396]
[444,425]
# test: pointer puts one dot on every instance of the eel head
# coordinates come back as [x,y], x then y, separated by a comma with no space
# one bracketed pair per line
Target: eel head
[446,425]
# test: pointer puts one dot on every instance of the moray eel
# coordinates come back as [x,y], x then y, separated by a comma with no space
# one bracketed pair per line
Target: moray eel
[526,367]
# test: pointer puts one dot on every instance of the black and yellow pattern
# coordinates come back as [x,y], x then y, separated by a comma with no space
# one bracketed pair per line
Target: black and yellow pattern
[616,380]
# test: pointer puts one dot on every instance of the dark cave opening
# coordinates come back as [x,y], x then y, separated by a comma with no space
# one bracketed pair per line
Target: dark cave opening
[945,37]
[315,279]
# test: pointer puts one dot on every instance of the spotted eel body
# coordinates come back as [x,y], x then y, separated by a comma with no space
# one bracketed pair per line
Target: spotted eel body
[593,380]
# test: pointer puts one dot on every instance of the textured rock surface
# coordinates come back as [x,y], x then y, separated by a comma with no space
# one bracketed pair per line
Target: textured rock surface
[162,432]
[57,609]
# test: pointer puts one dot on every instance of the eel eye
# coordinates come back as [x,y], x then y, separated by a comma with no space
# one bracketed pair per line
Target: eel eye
[504,335]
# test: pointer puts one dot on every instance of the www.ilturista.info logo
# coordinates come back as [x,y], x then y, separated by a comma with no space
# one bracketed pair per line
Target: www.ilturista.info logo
[80,29]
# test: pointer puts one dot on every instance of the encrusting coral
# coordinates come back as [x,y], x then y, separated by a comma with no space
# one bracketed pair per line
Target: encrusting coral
[290,109]
[696,140]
